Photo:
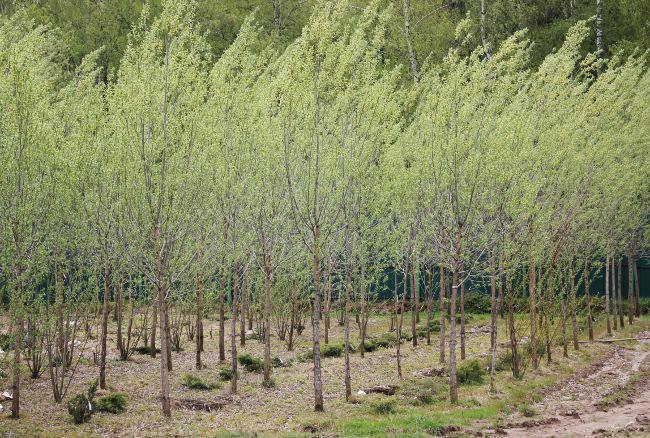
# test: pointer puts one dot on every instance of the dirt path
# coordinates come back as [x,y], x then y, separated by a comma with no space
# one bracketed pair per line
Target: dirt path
[573,410]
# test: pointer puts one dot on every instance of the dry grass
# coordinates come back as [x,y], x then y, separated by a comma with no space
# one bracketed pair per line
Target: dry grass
[287,408]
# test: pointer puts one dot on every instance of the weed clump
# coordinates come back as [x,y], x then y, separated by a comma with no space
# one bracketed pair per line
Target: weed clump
[114,403]
[250,363]
[383,406]
[193,382]
[470,372]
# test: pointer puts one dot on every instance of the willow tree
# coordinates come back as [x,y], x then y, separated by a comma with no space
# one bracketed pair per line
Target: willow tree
[29,60]
[154,107]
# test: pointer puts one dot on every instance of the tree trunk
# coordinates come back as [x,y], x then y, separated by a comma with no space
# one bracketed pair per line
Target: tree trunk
[164,326]
[453,384]
[154,325]
[462,321]
[429,303]
[277,16]
[102,360]
[590,326]
[609,325]
[614,299]
[346,334]
[244,308]
[484,39]
[630,289]
[599,27]
[513,334]
[293,314]
[414,308]
[409,43]
[442,314]
[619,288]
[233,329]
[20,330]
[565,341]
[222,300]
[119,311]
[532,304]
[328,301]
[493,321]
[199,321]
[267,318]
[400,323]
[574,310]
[636,290]
[363,317]
[315,321]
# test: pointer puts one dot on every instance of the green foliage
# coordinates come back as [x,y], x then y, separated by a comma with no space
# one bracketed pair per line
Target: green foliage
[470,372]
[225,374]
[527,411]
[146,350]
[269,384]
[114,403]
[193,382]
[386,340]
[79,408]
[250,363]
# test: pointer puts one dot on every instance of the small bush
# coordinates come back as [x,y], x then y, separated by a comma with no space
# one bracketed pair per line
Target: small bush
[114,403]
[194,382]
[331,350]
[269,383]
[225,374]
[278,362]
[79,408]
[470,372]
[386,340]
[540,348]
[383,406]
[250,363]
[504,361]
[146,350]
[369,346]
[6,342]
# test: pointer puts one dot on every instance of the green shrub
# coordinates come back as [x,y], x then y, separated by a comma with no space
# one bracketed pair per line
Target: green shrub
[6,342]
[540,348]
[114,403]
[79,408]
[504,361]
[250,363]
[269,383]
[332,350]
[470,372]
[383,406]
[146,350]
[278,362]
[369,345]
[386,340]
[194,382]
[476,302]
[225,374]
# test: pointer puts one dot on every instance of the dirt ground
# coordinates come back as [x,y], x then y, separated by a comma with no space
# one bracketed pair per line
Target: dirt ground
[611,398]
[287,409]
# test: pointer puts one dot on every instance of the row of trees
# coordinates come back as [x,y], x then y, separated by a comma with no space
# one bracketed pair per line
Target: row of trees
[275,172]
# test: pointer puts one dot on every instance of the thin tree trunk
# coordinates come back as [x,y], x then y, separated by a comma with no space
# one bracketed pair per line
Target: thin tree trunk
[619,288]
[222,300]
[630,289]
[277,15]
[429,303]
[574,310]
[154,325]
[599,27]
[318,384]
[609,325]
[513,334]
[20,330]
[293,314]
[414,306]
[267,318]
[453,384]
[493,322]
[399,327]
[362,326]
[164,327]
[119,311]
[636,289]
[614,299]
[532,304]
[244,308]
[442,314]
[199,321]
[409,43]
[590,326]
[484,39]
[328,301]
[102,360]
[233,329]
[462,321]
[346,334]
[565,341]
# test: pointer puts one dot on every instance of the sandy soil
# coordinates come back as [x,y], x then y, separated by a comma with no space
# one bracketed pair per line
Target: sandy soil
[572,410]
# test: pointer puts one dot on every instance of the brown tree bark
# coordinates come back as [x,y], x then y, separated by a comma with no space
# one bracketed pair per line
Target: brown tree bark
[102,358]
[400,323]
[453,384]
[429,302]
[630,288]
[574,310]
[636,289]
[199,321]
[609,325]
[267,317]
[328,301]
[619,287]
[590,326]
[244,308]
[318,384]
[511,328]
[293,314]
[493,321]
[532,307]
[614,299]
[462,321]
[164,326]
[346,334]
[154,325]
[414,306]
[233,328]
[222,300]
[442,314]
